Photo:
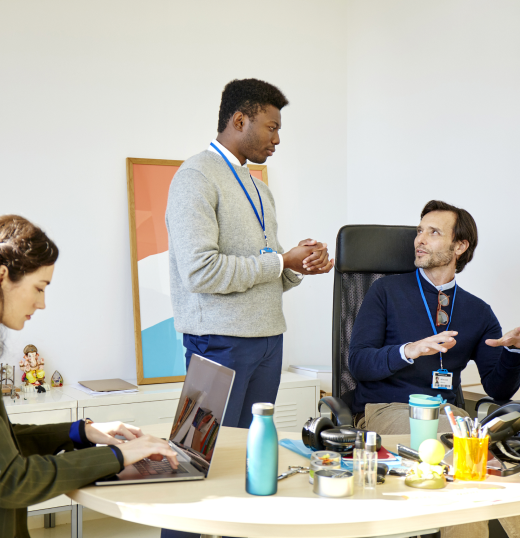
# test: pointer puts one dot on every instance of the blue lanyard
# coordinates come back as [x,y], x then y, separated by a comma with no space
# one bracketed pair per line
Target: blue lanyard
[428,310]
[262,220]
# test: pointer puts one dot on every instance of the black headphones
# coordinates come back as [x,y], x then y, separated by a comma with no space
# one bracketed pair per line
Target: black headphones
[321,434]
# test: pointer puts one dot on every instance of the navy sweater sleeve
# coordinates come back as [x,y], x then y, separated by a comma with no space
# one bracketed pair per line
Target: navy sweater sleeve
[369,358]
[500,378]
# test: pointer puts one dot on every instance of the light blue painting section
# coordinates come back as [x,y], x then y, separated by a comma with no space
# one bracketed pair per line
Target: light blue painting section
[163,352]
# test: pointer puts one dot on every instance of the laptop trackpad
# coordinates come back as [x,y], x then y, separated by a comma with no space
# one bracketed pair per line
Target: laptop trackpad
[150,469]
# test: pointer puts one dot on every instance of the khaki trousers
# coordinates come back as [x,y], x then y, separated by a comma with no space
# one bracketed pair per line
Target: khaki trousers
[392,419]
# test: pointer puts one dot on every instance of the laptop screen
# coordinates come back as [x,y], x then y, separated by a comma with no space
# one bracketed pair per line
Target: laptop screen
[201,410]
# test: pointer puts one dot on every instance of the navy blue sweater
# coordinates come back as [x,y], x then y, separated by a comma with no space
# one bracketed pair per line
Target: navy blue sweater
[393,314]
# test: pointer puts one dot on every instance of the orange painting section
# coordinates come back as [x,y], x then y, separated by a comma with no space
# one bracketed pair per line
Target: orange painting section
[151,185]
[257,174]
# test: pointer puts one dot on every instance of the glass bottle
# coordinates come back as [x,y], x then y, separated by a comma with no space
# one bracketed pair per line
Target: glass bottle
[371,461]
[359,461]
[262,452]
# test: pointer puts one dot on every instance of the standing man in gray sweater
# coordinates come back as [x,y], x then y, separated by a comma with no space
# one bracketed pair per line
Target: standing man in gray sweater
[227,270]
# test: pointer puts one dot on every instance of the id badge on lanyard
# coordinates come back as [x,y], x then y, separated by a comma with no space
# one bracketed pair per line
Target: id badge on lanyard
[441,378]
[267,249]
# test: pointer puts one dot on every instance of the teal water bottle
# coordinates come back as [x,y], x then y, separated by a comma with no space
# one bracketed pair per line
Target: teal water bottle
[262,452]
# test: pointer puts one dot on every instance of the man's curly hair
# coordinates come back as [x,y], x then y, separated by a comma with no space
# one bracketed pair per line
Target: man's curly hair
[248,96]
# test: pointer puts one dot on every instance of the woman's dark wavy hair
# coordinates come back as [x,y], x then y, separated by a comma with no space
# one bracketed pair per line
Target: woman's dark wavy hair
[465,229]
[24,248]
[248,96]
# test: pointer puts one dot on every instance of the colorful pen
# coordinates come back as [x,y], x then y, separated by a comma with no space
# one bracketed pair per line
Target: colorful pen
[462,426]
[453,422]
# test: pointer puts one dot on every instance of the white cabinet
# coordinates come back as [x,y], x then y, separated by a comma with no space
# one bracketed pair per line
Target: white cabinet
[293,408]
[136,414]
[42,417]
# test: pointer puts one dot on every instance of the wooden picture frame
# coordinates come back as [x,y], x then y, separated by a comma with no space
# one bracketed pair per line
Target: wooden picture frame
[158,347]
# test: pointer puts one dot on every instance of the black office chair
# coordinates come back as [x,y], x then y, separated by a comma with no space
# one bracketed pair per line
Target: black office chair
[364,253]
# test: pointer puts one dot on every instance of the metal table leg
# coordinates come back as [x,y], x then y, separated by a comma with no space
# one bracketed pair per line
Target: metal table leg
[49,520]
[80,521]
[74,521]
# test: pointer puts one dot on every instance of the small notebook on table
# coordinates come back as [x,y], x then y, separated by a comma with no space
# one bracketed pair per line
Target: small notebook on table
[108,385]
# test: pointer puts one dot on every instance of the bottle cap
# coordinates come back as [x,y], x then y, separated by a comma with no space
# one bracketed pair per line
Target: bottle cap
[263,409]
[360,441]
[371,442]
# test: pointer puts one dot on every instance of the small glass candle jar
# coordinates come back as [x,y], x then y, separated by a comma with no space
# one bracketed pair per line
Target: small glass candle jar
[323,460]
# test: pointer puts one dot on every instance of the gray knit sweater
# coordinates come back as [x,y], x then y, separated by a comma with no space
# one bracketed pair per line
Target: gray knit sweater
[220,284]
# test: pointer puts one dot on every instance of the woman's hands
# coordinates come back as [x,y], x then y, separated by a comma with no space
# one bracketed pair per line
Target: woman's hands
[103,433]
[137,446]
[150,447]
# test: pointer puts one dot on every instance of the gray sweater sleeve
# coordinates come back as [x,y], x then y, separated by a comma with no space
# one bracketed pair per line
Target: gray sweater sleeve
[290,279]
[193,232]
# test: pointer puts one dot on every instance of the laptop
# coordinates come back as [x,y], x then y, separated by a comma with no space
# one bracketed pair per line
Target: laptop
[195,428]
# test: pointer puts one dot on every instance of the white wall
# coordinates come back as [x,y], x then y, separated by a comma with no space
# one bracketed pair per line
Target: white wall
[425,94]
[88,84]
[434,112]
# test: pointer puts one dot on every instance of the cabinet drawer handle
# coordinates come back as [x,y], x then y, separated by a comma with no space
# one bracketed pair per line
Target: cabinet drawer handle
[161,418]
[129,420]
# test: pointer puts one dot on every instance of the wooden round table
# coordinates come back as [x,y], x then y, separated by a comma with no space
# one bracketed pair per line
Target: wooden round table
[220,506]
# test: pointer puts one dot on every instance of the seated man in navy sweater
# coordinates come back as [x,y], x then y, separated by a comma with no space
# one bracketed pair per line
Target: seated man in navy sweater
[394,349]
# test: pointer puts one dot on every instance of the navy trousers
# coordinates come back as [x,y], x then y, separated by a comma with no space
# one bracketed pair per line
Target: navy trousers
[258,365]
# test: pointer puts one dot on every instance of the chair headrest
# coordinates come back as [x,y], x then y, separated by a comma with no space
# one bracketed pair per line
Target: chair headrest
[373,248]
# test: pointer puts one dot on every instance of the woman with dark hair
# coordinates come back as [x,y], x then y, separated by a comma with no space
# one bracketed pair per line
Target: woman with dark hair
[31,471]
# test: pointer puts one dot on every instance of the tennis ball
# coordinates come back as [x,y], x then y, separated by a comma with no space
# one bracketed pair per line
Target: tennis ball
[431,451]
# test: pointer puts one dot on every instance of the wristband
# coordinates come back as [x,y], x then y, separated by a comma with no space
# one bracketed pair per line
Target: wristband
[119,455]
[83,435]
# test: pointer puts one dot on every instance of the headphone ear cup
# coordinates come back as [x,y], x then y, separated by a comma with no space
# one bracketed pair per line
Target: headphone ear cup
[311,432]
[338,435]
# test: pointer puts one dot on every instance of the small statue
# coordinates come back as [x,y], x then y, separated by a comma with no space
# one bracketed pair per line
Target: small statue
[7,385]
[31,366]
[56,379]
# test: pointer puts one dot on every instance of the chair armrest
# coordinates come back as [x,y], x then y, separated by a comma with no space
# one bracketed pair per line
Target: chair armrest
[340,410]
[483,405]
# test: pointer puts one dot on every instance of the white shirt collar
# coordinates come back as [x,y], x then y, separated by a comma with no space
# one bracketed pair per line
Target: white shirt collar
[230,157]
[440,288]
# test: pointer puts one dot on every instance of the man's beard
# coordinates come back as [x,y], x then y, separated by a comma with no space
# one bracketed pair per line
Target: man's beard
[251,150]
[436,259]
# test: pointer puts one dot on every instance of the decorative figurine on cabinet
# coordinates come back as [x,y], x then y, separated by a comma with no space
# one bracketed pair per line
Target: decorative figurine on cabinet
[7,385]
[56,379]
[33,373]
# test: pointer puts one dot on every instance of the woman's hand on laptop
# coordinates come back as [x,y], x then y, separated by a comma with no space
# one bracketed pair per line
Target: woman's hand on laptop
[104,433]
[150,447]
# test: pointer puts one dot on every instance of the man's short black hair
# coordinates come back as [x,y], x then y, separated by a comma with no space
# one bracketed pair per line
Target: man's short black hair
[465,229]
[248,96]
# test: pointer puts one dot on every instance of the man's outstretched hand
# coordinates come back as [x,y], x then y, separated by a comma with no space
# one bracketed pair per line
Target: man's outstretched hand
[432,345]
[512,338]
[309,258]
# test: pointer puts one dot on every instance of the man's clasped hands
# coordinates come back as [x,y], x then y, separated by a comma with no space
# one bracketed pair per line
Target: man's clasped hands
[310,257]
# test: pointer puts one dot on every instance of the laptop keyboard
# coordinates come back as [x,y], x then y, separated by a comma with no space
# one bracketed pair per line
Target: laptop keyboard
[152,468]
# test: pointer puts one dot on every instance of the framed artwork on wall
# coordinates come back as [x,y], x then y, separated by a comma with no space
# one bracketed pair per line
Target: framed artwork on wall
[159,350]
